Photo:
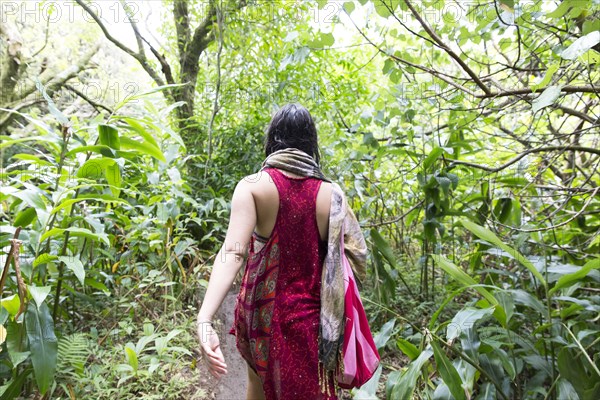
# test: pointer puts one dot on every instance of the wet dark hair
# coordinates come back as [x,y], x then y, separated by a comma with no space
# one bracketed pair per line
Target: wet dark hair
[292,126]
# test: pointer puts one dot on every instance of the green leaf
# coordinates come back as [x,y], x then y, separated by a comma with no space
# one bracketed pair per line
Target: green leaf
[109,136]
[25,217]
[42,344]
[44,258]
[76,232]
[466,319]
[327,39]
[132,358]
[571,367]
[84,197]
[29,196]
[95,284]
[349,6]
[448,372]
[113,177]
[384,248]
[565,390]
[382,8]
[75,265]
[590,25]
[562,9]
[506,301]
[459,275]
[547,98]
[11,304]
[136,126]
[100,149]
[444,183]
[508,5]
[569,279]
[547,78]
[435,153]
[403,390]
[487,392]
[34,159]
[14,387]
[581,45]
[493,366]
[368,391]
[506,362]
[39,293]
[7,141]
[442,392]
[94,168]
[321,40]
[490,237]
[56,113]
[384,334]
[408,348]
[523,298]
[17,358]
[503,209]
[592,393]
[143,147]
[391,382]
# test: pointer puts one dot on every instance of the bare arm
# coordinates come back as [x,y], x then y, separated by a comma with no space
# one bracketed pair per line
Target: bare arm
[230,258]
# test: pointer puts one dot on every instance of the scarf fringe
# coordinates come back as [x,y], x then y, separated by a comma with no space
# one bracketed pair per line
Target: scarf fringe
[326,377]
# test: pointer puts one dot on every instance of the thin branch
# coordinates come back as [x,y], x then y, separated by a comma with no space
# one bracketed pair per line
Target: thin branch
[391,11]
[447,49]
[393,221]
[140,57]
[578,114]
[47,34]
[105,30]
[138,36]
[9,117]
[518,32]
[527,152]
[431,71]
[565,89]
[165,67]
[87,99]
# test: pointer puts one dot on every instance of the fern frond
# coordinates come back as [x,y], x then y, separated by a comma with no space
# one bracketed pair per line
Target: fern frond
[73,352]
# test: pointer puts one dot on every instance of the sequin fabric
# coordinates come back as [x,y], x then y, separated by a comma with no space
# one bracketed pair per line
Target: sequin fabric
[277,310]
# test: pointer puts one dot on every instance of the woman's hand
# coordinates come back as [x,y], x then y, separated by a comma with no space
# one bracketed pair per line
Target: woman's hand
[211,349]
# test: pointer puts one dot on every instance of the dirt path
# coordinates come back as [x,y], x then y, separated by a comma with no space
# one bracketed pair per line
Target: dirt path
[233,385]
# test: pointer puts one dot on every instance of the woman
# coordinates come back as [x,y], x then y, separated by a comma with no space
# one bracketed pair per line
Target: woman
[284,217]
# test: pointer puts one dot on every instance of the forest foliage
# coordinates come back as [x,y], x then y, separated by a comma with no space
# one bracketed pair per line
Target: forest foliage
[465,134]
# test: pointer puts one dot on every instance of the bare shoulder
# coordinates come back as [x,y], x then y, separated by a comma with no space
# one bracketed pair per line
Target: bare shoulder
[325,190]
[256,182]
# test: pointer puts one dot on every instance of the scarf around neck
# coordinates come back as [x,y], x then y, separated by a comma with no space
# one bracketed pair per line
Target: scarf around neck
[332,321]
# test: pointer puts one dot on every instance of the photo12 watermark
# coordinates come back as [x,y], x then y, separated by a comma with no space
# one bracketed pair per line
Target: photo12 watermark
[69,11]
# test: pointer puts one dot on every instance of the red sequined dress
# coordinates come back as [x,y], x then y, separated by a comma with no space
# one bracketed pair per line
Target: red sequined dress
[278,307]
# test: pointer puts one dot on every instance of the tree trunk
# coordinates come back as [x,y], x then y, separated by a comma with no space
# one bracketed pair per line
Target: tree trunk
[191,44]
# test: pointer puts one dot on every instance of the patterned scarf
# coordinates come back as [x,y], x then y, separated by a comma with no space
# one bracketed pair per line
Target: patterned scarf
[331,328]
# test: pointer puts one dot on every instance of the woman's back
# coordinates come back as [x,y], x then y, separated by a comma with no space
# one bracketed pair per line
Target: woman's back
[266,198]
[278,308]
